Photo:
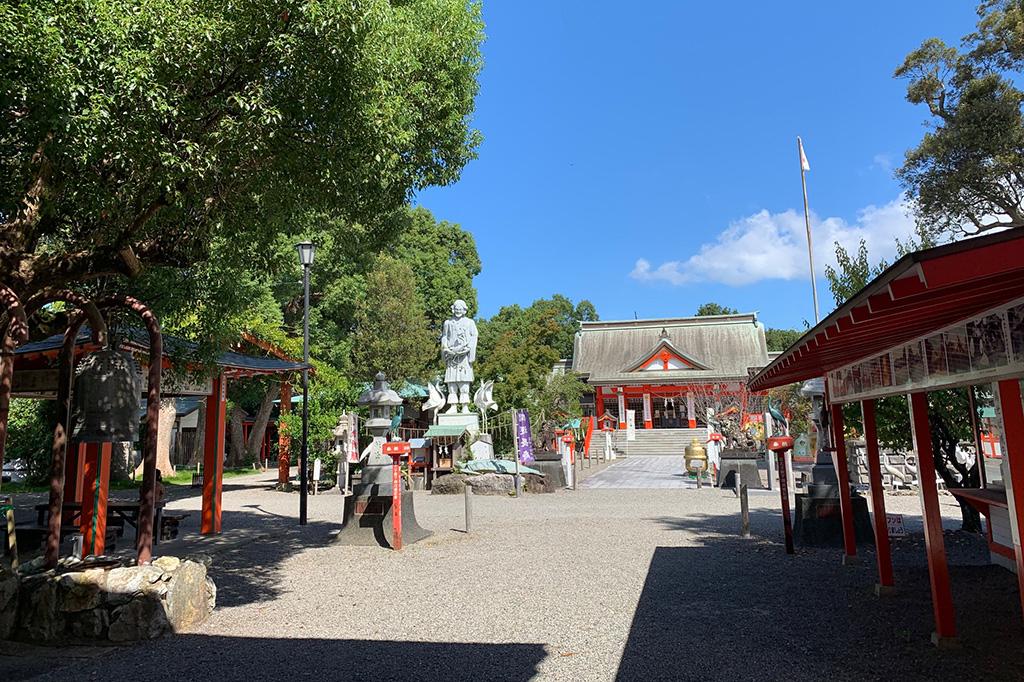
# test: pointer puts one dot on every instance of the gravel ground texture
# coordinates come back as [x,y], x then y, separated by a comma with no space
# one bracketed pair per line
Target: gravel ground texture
[593,584]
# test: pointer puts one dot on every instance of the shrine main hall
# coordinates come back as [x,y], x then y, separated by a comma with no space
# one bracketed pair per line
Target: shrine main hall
[669,372]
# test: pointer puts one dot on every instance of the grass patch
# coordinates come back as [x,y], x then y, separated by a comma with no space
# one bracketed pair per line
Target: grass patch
[182,477]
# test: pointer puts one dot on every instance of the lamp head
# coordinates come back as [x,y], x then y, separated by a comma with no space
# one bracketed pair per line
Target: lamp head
[306,251]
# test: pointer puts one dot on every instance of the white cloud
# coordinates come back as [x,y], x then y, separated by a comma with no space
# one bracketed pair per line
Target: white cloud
[883,161]
[767,246]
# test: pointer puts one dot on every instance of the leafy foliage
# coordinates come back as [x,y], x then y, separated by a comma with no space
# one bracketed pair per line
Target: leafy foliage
[966,173]
[519,347]
[30,437]
[141,132]
[391,334]
[781,339]
[711,308]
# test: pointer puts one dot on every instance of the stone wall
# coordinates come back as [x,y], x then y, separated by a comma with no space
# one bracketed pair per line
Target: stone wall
[121,604]
[857,455]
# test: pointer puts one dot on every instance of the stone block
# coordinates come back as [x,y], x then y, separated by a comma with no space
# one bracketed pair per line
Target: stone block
[8,603]
[449,484]
[39,616]
[141,618]
[491,484]
[186,603]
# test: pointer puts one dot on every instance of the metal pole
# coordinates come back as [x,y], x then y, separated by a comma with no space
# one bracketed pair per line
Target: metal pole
[469,505]
[807,224]
[744,511]
[304,456]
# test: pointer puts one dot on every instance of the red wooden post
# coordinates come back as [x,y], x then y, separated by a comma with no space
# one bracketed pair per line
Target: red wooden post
[938,570]
[74,475]
[1012,411]
[93,520]
[396,450]
[882,551]
[843,474]
[780,445]
[284,439]
[213,456]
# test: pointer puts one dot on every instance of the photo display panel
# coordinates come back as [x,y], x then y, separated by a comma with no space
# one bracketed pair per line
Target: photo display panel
[980,349]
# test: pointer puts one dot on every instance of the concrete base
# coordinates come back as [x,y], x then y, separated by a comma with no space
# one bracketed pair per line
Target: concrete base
[470,420]
[819,521]
[367,518]
[945,642]
[554,474]
[885,590]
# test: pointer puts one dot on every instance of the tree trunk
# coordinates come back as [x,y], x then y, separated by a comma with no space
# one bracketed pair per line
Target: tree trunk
[168,413]
[259,427]
[198,449]
[236,453]
[944,444]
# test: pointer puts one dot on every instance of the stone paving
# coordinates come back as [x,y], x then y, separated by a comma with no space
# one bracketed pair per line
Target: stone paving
[642,473]
[596,584]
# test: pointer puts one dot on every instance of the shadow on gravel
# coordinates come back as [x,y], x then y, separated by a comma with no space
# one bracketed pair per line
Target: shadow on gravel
[741,609]
[225,659]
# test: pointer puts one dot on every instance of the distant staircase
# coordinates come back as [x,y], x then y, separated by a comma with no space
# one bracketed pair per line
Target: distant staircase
[669,442]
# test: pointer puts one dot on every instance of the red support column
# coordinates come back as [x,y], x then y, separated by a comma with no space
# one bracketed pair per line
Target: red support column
[883,552]
[843,474]
[648,409]
[691,418]
[1012,411]
[96,489]
[74,473]
[938,569]
[598,402]
[284,439]
[213,456]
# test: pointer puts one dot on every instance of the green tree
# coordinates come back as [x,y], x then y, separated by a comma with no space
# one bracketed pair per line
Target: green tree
[443,258]
[948,410]
[966,174]
[712,308]
[140,133]
[781,339]
[519,347]
[391,334]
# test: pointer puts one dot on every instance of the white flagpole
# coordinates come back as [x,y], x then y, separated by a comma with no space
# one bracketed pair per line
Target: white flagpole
[804,167]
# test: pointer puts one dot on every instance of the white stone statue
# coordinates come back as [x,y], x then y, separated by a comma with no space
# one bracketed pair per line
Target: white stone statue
[458,350]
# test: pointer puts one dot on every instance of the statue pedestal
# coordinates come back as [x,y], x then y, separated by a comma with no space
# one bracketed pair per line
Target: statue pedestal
[469,420]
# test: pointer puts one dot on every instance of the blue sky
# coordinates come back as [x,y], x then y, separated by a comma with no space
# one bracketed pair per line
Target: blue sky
[645,159]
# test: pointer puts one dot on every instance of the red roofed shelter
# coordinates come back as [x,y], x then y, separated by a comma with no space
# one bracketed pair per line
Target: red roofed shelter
[936,319]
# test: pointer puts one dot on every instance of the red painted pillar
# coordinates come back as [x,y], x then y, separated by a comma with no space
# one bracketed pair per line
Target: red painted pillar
[938,569]
[598,402]
[883,553]
[1012,412]
[74,472]
[691,418]
[284,439]
[213,456]
[843,474]
[96,490]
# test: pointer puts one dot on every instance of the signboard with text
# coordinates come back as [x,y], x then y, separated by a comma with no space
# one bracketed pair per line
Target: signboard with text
[524,436]
[630,424]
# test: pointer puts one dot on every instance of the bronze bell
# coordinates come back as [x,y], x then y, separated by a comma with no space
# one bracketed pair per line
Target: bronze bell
[107,390]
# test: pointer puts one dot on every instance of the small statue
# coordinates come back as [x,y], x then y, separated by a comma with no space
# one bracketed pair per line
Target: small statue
[458,350]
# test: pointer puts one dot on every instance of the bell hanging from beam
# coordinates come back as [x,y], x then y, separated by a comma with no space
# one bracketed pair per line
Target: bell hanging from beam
[107,390]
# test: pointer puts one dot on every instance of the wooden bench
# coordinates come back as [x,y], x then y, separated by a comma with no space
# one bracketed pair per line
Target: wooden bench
[169,525]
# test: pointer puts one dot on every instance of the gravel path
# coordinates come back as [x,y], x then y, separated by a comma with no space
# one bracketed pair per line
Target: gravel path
[597,584]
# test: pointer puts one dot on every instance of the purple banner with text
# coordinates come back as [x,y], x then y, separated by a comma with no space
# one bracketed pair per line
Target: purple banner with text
[524,438]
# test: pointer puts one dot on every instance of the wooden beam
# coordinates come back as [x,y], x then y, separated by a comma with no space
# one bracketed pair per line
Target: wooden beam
[883,552]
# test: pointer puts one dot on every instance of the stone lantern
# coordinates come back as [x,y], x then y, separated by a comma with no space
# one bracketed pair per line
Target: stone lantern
[368,510]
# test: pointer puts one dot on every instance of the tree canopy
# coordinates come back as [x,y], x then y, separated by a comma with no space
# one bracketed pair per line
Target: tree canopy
[712,308]
[145,132]
[967,174]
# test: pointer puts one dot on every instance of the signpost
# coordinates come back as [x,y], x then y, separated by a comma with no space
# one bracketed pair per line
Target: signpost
[780,445]
[894,526]
[523,442]
[396,450]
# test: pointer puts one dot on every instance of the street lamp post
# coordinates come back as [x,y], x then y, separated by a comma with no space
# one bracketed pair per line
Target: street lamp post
[306,251]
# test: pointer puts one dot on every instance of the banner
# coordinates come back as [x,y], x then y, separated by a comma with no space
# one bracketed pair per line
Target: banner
[630,424]
[647,409]
[524,436]
[353,438]
[622,407]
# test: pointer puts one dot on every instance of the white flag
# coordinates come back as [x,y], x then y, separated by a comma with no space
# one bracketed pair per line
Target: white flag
[804,166]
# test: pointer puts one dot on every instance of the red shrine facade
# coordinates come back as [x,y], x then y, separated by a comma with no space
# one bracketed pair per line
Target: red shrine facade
[668,371]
